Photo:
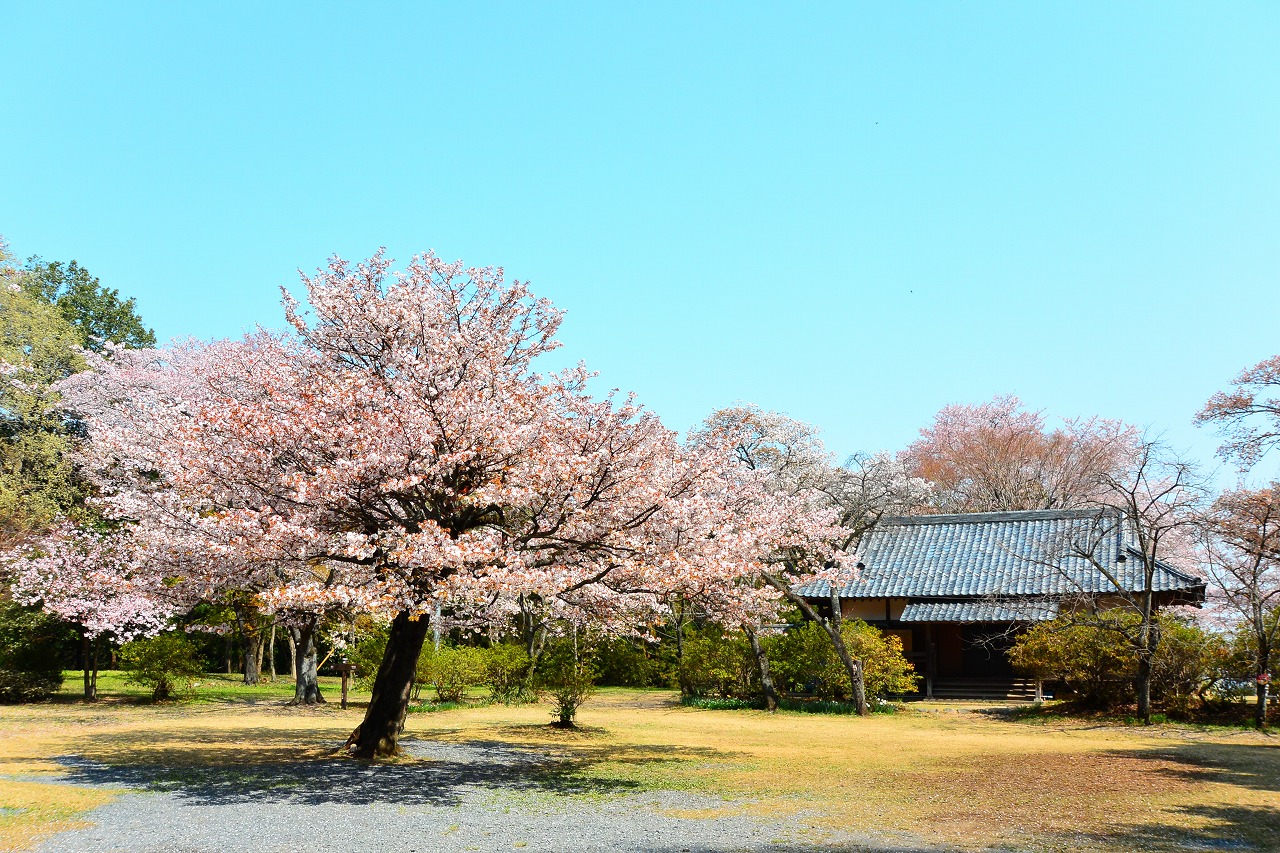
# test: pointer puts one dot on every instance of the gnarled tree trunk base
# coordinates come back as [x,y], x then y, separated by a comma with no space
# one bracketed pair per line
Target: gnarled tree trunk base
[306,688]
[378,734]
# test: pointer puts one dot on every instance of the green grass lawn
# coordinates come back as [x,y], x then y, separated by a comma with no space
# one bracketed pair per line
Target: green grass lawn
[210,687]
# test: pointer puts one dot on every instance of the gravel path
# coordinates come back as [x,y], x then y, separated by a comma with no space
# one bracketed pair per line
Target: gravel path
[477,796]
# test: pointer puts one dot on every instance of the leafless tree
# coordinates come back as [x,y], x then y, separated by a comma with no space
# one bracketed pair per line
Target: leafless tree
[1247,415]
[1150,513]
[1241,547]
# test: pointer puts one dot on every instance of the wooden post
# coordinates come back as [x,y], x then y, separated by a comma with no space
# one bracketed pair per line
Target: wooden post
[1039,691]
[346,668]
[929,661]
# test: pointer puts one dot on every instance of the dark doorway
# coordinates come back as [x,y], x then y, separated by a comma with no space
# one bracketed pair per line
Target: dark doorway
[986,651]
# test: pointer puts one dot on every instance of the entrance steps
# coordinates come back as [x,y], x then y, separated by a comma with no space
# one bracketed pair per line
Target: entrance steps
[1001,689]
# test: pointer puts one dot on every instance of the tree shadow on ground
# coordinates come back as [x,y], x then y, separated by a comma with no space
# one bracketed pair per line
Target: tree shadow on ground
[1223,826]
[437,773]
[1255,766]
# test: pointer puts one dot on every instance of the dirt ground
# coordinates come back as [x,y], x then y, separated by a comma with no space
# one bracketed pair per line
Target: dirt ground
[942,777]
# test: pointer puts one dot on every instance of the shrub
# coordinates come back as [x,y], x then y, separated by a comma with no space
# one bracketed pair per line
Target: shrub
[568,680]
[1088,660]
[167,663]
[629,662]
[719,664]
[711,704]
[451,670]
[29,665]
[805,706]
[1189,662]
[1095,663]
[568,690]
[505,668]
[804,660]
[432,707]
[885,670]
[366,653]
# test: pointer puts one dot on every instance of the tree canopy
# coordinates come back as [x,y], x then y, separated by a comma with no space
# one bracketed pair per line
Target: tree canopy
[998,456]
[49,313]
[98,313]
[37,348]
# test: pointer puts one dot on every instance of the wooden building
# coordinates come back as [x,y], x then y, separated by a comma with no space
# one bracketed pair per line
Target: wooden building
[958,588]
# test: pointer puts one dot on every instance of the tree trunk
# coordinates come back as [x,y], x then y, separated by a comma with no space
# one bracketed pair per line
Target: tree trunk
[247,627]
[1263,683]
[1142,685]
[271,654]
[762,663]
[832,626]
[1148,639]
[537,641]
[835,629]
[252,668]
[90,679]
[93,682]
[293,655]
[262,648]
[378,734]
[306,685]
[1264,680]
[229,655]
[435,628]
[835,626]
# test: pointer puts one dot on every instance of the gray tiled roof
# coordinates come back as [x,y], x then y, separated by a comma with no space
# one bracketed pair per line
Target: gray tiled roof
[1031,610]
[1011,554]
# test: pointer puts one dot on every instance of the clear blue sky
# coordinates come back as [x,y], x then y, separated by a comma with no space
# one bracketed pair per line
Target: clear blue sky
[853,213]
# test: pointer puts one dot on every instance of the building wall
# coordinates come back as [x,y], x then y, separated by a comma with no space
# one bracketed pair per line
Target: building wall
[872,609]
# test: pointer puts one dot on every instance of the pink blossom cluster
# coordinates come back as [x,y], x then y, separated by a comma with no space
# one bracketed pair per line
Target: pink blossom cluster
[95,581]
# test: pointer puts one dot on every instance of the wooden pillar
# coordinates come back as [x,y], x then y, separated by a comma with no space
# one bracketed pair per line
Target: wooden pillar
[930,661]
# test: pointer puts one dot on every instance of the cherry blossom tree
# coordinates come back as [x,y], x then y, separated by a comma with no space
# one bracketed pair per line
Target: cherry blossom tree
[1248,415]
[95,580]
[402,438]
[832,508]
[1152,509]
[1159,498]
[998,456]
[1242,555]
